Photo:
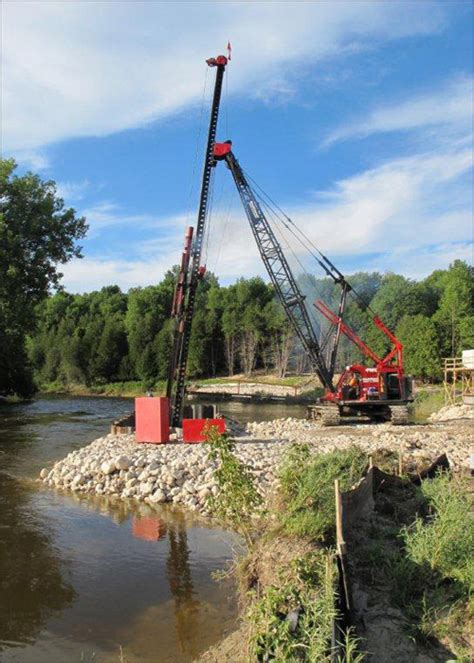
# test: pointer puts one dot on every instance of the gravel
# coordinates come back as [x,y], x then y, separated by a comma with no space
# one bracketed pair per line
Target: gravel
[450,412]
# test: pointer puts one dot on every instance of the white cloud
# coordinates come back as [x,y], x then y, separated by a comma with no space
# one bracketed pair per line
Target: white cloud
[107,214]
[414,213]
[73,191]
[94,273]
[75,69]
[34,159]
[449,107]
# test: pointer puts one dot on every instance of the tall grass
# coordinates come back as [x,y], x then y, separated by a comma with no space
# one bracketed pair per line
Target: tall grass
[292,622]
[307,506]
[444,541]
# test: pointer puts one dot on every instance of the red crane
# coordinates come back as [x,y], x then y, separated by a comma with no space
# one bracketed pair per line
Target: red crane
[381,391]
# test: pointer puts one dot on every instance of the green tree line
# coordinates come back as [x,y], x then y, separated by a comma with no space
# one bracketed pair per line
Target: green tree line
[109,335]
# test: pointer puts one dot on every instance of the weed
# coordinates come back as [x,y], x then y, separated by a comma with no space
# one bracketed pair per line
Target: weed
[293,622]
[445,540]
[350,644]
[238,499]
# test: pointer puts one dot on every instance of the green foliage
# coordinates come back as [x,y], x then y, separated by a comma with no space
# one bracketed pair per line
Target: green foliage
[110,336]
[420,346]
[426,565]
[455,309]
[308,587]
[238,500]
[37,233]
[307,489]
[445,541]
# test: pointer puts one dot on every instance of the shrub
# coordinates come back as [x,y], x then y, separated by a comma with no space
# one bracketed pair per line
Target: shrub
[238,499]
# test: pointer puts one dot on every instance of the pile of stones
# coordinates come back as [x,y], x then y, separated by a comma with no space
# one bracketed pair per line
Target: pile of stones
[178,473]
[450,412]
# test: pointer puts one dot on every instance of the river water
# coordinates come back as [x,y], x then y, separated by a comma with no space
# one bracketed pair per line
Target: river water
[81,577]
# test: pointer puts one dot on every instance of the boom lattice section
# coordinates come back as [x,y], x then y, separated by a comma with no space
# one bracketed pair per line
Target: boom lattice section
[280,273]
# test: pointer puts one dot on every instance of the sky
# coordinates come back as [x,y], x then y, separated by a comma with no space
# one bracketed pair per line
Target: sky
[355,117]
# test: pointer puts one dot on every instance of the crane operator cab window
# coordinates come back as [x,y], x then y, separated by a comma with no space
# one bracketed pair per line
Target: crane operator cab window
[353,386]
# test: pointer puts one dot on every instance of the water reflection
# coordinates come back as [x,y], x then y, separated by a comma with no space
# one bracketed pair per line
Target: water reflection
[186,606]
[82,575]
[33,582]
[148,528]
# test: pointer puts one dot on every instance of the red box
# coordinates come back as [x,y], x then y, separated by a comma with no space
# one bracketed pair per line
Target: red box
[193,429]
[152,420]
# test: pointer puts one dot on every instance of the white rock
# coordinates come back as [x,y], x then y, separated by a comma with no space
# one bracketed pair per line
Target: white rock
[157,497]
[146,489]
[108,467]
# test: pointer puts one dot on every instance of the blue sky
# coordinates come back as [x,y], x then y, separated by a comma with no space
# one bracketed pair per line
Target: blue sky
[355,117]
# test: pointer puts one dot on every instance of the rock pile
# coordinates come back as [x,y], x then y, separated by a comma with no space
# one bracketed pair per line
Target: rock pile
[453,412]
[183,474]
[177,473]
[415,442]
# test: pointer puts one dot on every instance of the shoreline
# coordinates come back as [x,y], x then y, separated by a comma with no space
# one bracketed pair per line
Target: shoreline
[183,474]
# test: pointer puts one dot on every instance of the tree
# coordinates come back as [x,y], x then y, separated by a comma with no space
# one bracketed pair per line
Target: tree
[37,233]
[455,309]
[281,336]
[420,345]
[396,297]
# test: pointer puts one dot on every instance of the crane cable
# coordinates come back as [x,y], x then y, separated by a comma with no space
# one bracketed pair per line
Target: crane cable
[329,268]
[327,335]
[274,216]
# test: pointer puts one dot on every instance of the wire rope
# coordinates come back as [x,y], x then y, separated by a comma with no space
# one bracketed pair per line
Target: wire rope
[304,240]
[274,217]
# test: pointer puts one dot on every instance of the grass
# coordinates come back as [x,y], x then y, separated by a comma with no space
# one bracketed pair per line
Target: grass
[443,542]
[288,577]
[128,389]
[292,621]
[419,546]
[133,388]
[307,506]
[427,401]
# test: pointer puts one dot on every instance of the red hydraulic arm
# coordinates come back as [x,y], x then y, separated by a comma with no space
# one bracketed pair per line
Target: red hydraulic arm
[347,331]
[397,349]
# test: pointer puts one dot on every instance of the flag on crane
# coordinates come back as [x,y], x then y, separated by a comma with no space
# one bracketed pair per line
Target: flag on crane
[229,51]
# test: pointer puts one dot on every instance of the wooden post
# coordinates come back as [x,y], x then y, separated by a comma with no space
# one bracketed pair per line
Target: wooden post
[340,543]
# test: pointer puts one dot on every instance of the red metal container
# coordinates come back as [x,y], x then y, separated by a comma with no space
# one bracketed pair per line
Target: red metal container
[152,420]
[193,429]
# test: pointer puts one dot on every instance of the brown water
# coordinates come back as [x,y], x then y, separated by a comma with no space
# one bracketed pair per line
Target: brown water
[81,576]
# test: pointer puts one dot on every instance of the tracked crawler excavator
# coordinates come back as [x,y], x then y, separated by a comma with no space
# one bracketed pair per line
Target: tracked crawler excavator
[379,391]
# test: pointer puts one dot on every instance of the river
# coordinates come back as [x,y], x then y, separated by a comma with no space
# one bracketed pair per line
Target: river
[81,577]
